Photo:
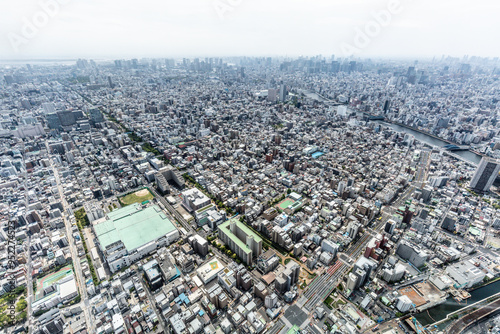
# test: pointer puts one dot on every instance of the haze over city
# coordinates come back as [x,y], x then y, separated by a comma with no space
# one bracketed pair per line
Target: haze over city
[198,28]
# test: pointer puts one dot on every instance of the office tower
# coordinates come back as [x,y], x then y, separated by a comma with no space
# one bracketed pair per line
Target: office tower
[352,281]
[283,93]
[389,227]
[96,116]
[485,175]
[67,117]
[341,187]
[110,82]
[395,274]
[387,105]
[9,79]
[53,121]
[272,95]
[363,268]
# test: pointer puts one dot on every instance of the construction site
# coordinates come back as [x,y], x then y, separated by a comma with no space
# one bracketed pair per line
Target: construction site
[423,295]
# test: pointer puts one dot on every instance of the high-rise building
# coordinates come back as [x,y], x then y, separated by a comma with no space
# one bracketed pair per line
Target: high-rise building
[412,253]
[240,239]
[271,300]
[363,268]
[341,187]
[352,281]
[272,95]
[53,121]
[67,117]
[485,175]
[96,116]
[48,107]
[283,93]
[394,274]
[389,226]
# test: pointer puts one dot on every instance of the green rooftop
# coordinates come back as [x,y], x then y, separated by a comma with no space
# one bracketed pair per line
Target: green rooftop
[134,225]
[225,228]
[474,231]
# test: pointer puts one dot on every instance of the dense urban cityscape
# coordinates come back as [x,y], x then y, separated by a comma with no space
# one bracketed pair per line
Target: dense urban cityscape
[250,195]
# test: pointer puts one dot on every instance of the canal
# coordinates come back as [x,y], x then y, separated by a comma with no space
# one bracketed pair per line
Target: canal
[440,311]
[467,155]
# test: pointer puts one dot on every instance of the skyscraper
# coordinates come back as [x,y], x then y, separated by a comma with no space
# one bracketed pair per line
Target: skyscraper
[485,175]
[283,93]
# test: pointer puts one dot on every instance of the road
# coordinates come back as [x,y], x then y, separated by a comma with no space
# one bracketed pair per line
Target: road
[276,328]
[72,247]
[172,211]
[31,296]
[153,304]
[323,285]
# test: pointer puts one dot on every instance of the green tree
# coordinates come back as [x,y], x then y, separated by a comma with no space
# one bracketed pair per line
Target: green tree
[21,305]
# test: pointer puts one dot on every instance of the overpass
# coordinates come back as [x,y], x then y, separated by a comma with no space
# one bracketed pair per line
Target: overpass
[474,317]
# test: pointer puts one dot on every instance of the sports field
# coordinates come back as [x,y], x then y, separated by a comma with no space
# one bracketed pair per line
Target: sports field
[50,279]
[136,197]
[285,203]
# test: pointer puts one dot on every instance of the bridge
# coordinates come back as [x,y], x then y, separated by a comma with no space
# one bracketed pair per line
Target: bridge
[453,147]
[474,317]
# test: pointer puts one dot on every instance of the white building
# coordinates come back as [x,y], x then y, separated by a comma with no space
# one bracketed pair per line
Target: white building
[210,270]
[271,300]
[394,274]
[193,199]
[403,303]
[465,274]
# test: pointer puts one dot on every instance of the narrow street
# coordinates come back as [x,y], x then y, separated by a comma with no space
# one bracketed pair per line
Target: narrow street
[74,252]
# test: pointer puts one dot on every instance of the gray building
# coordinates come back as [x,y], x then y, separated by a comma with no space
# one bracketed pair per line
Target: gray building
[485,174]
[412,253]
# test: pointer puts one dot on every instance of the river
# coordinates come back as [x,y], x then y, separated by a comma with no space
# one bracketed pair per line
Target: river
[440,311]
[467,155]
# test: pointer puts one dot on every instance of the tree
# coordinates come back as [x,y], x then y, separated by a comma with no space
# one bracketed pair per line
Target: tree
[289,191]
[21,305]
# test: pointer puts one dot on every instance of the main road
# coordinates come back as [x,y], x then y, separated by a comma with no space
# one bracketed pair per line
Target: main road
[172,211]
[31,297]
[72,247]
[323,285]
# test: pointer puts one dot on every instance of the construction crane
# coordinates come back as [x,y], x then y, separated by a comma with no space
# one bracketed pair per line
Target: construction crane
[417,325]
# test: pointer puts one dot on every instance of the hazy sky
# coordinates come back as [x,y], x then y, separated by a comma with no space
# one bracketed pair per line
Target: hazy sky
[168,28]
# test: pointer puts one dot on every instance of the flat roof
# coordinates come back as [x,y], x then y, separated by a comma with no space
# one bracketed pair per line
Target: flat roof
[225,229]
[209,269]
[133,225]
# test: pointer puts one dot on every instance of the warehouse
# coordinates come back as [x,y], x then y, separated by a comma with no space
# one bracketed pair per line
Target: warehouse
[132,232]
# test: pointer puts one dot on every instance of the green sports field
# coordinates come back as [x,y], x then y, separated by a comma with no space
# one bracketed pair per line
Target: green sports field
[136,197]
[50,279]
[285,203]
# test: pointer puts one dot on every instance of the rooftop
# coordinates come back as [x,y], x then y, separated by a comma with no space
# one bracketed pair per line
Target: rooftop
[133,225]
[225,228]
